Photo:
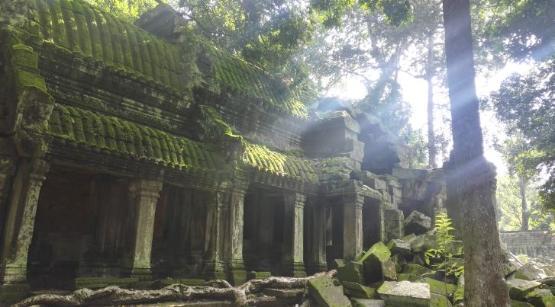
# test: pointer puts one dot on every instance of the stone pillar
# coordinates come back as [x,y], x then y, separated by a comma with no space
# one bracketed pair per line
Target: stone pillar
[293,239]
[20,220]
[7,169]
[213,247]
[318,242]
[144,197]
[352,225]
[233,210]
[393,224]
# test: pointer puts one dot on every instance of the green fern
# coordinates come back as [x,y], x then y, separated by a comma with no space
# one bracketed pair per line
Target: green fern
[441,257]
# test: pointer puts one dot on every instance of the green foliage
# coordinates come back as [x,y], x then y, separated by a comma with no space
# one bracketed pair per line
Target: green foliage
[128,10]
[441,257]
[525,104]
[510,210]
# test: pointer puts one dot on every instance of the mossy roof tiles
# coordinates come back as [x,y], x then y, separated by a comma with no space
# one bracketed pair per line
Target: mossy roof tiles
[117,136]
[266,160]
[81,28]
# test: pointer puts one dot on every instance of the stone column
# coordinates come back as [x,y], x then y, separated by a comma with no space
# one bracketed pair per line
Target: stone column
[293,227]
[318,257]
[233,210]
[213,247]
[352,225]
[144,197]
[7,169]
[20,220]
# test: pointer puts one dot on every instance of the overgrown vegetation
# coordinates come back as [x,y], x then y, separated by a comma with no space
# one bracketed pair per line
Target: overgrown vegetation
[442,256]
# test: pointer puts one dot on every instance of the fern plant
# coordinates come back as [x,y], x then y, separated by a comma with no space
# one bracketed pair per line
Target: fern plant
[441,257]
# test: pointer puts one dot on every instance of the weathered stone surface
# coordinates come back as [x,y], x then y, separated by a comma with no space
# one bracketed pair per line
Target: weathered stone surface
[258,275]
[357,290]
[399,247]
[510,263]
[515,303]
[405,293]
[519,288]
[351,271]
[541,297]
[389,270]
[422,242]
[440,287]
[324,291]
[417,223]
[358,302]
[376,265]
[530,271]
[439,300]
[550,281]
[415,271]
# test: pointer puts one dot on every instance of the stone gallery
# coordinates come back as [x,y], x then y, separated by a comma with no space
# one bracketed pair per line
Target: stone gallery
[116,168]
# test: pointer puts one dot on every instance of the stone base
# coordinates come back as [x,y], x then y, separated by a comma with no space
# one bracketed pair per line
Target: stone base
[13,275]
[214,270]
[12,293]
[236,274]
[296,269]
[142,274]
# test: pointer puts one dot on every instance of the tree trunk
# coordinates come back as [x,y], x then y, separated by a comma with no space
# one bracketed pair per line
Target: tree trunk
[471,176]
[429,76]
[524,205]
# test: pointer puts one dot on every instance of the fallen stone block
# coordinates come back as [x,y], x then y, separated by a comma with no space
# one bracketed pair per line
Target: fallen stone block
[439,300]
[326,293]
[358,302]
[415,271]
[405,293]
[515,303]
[417,223]
[541,298]
[519,288]
[399,247]
[423,242]
[440,287]
[356,290]
[376,265]
[351,271]
[529,271]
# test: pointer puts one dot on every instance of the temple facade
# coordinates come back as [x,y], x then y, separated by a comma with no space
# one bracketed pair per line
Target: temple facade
[115,168]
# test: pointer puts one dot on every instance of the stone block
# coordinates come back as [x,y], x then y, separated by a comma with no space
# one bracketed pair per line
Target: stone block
[529,271]
[519,288]
[351,271]
[515,303]
[541,298]
[358,302]
[101,282]
[415,271]
[405,294]
[439,300]
[393,224]
[376,265]
[417,223]
[352,289]
[13,293]
[399,247]
[326,293]
[423,242]
[440,287]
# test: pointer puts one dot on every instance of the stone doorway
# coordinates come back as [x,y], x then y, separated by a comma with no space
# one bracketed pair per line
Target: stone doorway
[372,221]
[80,228]
[179,233]
[264,234]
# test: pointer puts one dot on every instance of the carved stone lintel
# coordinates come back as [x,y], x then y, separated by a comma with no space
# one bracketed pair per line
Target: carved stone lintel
[20,220]
[144,197]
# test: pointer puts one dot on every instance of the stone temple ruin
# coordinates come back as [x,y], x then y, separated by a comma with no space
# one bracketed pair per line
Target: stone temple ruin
[113,171]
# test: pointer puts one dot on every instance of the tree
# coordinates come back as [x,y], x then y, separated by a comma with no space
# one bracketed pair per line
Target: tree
[471,179]
[525,104]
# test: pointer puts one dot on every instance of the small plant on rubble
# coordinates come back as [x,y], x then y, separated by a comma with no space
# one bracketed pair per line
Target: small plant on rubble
[441,257]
